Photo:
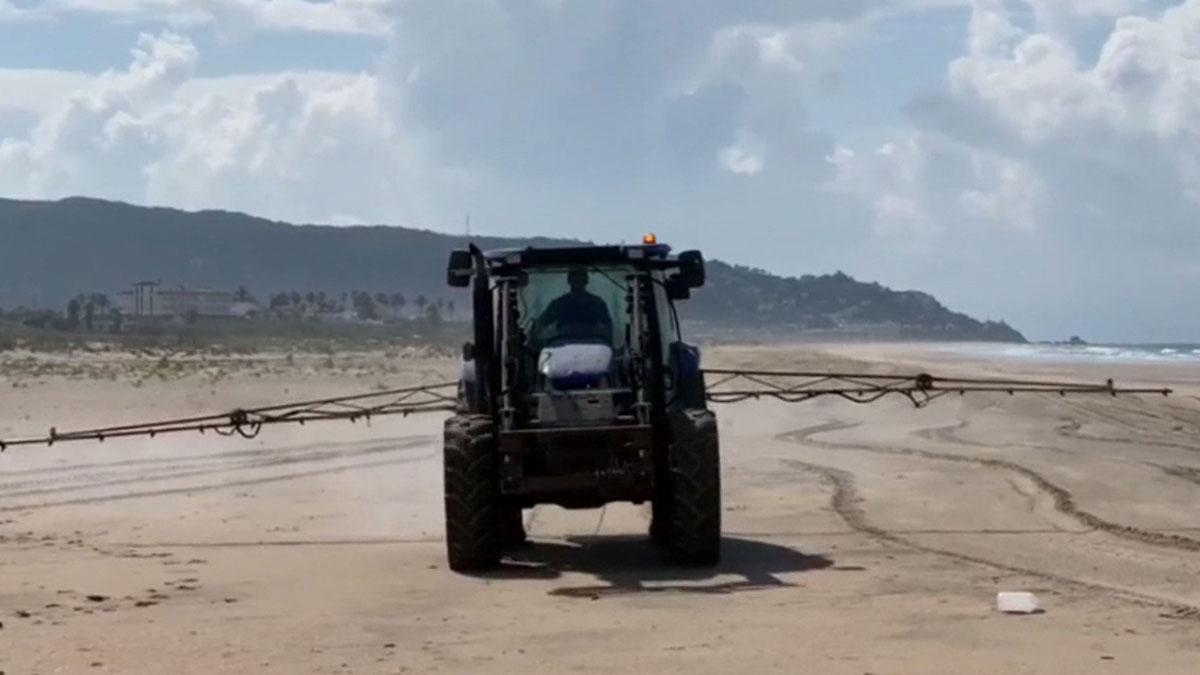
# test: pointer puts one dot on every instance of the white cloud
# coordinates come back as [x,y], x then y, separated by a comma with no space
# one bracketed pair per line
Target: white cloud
[1146,79]
[1018,101]
[366,17]
[1143,89]
[51,154]
[1059,15]
[37,90]
[11,12]
[304,146]
[925,184]
[571,107]
[745,157]
[1008,193]
[507,104]
[1083,176]
[892,179]
[1033,82]
[901,216]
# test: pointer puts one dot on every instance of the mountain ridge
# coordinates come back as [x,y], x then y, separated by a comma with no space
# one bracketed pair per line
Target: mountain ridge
[51,250]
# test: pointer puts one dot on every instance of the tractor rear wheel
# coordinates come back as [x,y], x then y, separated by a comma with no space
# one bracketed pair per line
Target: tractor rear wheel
[693,508]
[472,493]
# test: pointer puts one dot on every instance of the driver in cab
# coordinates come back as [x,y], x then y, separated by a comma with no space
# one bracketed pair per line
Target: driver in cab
[577,314]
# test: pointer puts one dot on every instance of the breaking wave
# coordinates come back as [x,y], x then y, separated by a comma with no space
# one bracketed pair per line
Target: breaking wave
[1096,353]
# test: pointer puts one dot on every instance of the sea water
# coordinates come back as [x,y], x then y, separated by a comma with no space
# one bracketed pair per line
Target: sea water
[1100,353]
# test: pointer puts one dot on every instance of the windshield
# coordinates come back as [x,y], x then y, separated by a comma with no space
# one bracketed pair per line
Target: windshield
[584,303]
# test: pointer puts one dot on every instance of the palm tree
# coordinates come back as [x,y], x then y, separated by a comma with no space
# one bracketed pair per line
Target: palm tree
[433,315]
[398,303]
[382,299]
[421,301]
[73,308]
[364,305]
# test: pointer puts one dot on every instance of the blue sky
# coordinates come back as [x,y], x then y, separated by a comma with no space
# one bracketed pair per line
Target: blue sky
[1032,160]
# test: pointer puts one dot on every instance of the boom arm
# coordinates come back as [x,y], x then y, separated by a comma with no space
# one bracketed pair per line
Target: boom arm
[247,422]
[733,386]
[724,386]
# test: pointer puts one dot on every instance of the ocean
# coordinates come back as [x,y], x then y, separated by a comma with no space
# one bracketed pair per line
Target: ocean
[1099,353]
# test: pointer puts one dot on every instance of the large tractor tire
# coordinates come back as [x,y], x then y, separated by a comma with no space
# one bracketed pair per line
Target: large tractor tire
[474,514]
[692,509]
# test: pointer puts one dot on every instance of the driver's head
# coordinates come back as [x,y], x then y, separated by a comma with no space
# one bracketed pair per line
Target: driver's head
[577,278]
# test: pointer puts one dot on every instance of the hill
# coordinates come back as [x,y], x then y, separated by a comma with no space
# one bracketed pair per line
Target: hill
[51,250]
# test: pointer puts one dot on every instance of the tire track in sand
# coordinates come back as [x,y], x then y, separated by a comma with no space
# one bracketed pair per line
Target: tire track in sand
[68,483]
[170,461]
[1190,474]
[845,501]
[207,487]
[1069,428]
[1064,501]
[1072,428]
[951,433]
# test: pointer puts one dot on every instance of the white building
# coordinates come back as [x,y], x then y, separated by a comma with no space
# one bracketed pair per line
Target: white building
[148,298]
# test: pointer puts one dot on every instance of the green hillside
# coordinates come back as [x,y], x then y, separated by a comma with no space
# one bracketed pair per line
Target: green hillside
[50,251]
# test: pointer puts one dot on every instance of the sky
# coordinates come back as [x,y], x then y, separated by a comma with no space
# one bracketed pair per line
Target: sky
[1036,161]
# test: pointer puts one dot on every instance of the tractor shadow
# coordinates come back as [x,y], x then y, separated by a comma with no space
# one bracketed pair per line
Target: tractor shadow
[634,564]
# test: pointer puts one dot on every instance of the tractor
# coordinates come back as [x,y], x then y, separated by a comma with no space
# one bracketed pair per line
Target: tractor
[578,390]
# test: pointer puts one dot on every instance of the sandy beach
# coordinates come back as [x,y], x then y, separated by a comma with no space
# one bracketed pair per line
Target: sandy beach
[859,539]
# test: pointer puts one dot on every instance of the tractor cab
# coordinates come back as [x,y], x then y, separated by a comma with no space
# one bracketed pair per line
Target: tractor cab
[575,336]
[572,331]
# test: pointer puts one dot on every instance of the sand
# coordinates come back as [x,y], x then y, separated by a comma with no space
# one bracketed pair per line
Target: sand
[859,539]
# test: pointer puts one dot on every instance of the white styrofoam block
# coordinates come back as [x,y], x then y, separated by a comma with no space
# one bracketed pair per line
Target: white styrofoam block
[1017,602]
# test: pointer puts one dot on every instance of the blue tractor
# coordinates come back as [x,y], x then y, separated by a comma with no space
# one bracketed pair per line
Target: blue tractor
[578,390]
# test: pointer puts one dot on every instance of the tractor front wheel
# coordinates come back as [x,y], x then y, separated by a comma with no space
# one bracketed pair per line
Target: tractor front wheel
[472,493]
[693,507]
